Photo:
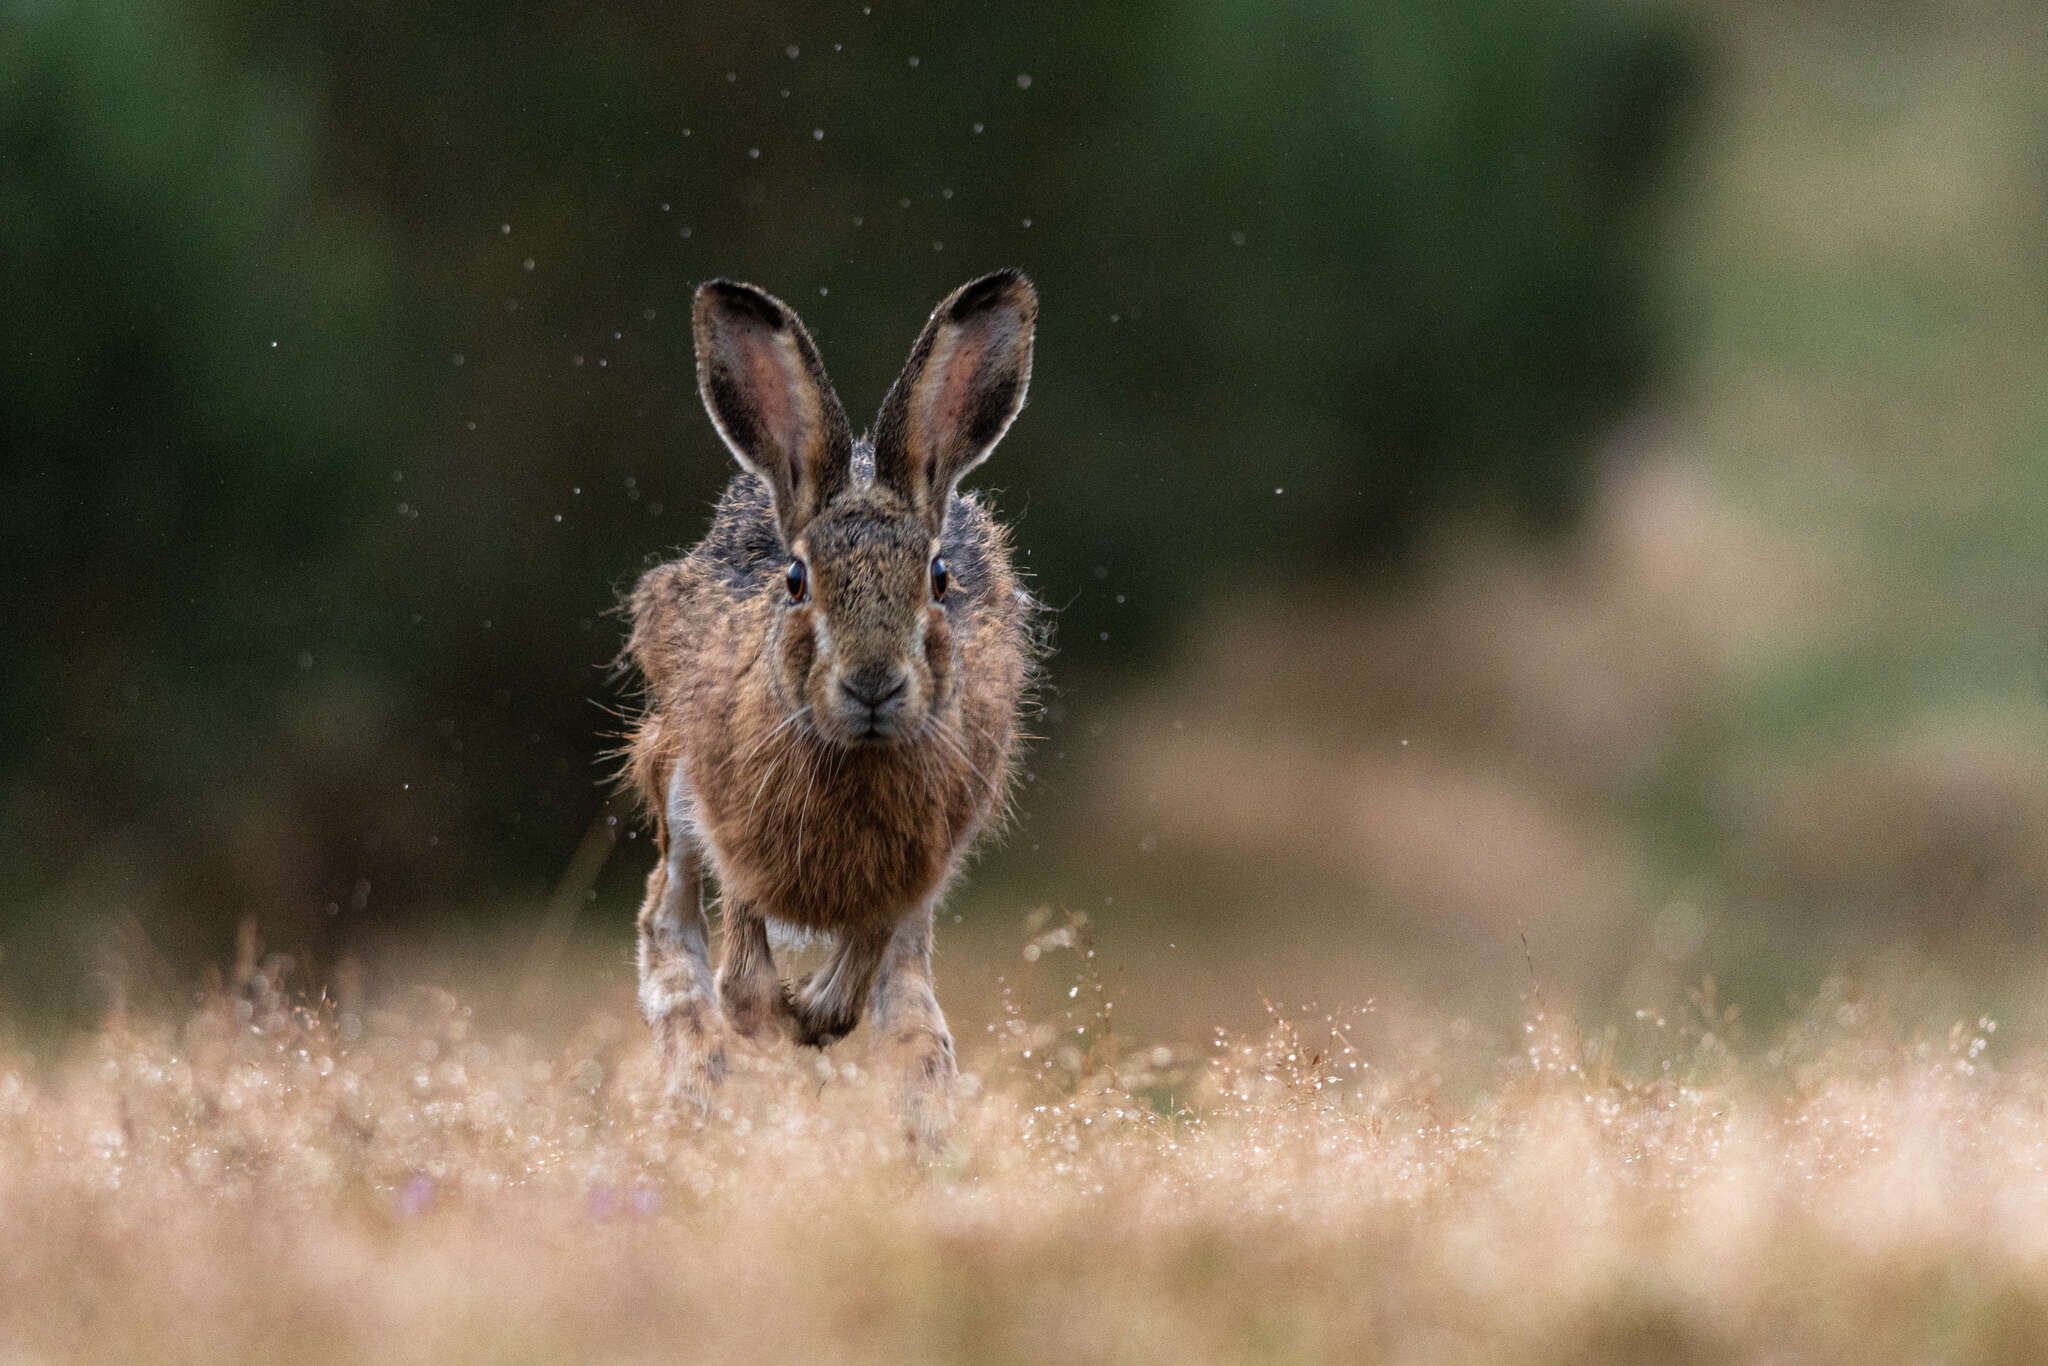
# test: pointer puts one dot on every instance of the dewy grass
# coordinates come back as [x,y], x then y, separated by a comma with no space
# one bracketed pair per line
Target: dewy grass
[282,1180]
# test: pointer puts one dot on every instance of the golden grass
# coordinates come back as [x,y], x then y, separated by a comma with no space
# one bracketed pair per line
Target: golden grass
[270,1181]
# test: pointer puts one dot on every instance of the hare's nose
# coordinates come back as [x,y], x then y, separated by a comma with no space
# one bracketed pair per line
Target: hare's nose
[874,686]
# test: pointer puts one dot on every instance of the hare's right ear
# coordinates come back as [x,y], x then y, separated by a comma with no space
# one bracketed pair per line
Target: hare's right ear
[767,394]
[962,387]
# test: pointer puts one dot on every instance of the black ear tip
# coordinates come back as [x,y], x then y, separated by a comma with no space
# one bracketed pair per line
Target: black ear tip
[743,301]
[1007,286]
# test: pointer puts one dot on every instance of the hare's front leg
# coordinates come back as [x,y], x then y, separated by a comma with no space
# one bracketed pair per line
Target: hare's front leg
[677,994]
[911,1032]
[747,983]
[827,1003]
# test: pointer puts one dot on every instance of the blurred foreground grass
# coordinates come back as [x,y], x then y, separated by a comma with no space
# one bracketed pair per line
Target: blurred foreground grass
[395,1179]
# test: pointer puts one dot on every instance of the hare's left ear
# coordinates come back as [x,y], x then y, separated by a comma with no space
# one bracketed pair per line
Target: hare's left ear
[959,392]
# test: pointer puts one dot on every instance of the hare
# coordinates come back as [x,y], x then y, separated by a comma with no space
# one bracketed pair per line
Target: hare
[832,682]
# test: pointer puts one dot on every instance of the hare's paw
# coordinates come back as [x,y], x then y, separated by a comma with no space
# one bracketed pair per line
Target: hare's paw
[754,1004]
[820,1015]
[827,1004]
[922,1060]
[689,1042]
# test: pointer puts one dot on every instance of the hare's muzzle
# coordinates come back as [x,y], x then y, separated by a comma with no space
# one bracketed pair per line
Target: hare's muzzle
[871,700]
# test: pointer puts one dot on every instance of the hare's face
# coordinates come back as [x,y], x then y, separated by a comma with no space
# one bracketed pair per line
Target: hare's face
[864,640]
[861,636]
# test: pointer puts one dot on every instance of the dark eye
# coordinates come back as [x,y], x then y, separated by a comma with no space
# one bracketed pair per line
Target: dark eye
[940,578]
[799,580]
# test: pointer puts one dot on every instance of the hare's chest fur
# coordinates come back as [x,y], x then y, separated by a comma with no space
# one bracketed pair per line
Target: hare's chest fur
[832,840]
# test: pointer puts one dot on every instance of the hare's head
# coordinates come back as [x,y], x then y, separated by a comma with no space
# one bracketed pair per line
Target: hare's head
[861,634]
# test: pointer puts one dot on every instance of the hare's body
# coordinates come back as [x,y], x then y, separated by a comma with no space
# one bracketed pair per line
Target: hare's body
[821,838]
[832,682]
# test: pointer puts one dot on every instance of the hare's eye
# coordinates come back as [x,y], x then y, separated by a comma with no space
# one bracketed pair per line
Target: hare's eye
[940,578]
[799,580]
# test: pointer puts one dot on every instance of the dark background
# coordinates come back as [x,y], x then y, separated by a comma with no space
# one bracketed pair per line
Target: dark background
[346,377]
[345,382]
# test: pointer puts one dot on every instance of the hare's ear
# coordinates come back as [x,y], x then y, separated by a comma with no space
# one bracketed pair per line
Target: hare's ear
[767,394]
[959,392]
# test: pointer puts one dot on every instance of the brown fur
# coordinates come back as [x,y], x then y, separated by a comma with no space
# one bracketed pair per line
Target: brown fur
[814,806]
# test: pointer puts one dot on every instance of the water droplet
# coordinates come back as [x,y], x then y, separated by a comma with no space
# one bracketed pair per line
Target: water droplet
[913,61]
[1023,80]
[527,264]
[791,52]
[977,127]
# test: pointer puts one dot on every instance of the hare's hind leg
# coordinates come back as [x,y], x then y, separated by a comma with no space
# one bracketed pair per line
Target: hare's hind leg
[677,993]
[911,1032]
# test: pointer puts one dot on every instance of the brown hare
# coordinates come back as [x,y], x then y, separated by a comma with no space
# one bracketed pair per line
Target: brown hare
[832,683]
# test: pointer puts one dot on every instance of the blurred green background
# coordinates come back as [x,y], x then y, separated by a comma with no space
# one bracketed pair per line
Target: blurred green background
[1572,473]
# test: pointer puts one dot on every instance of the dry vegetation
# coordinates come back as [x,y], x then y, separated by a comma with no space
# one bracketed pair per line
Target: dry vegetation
[271,1180]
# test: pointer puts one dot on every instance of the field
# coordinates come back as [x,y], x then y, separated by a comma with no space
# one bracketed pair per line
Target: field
[1775,717]
[311,1181]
